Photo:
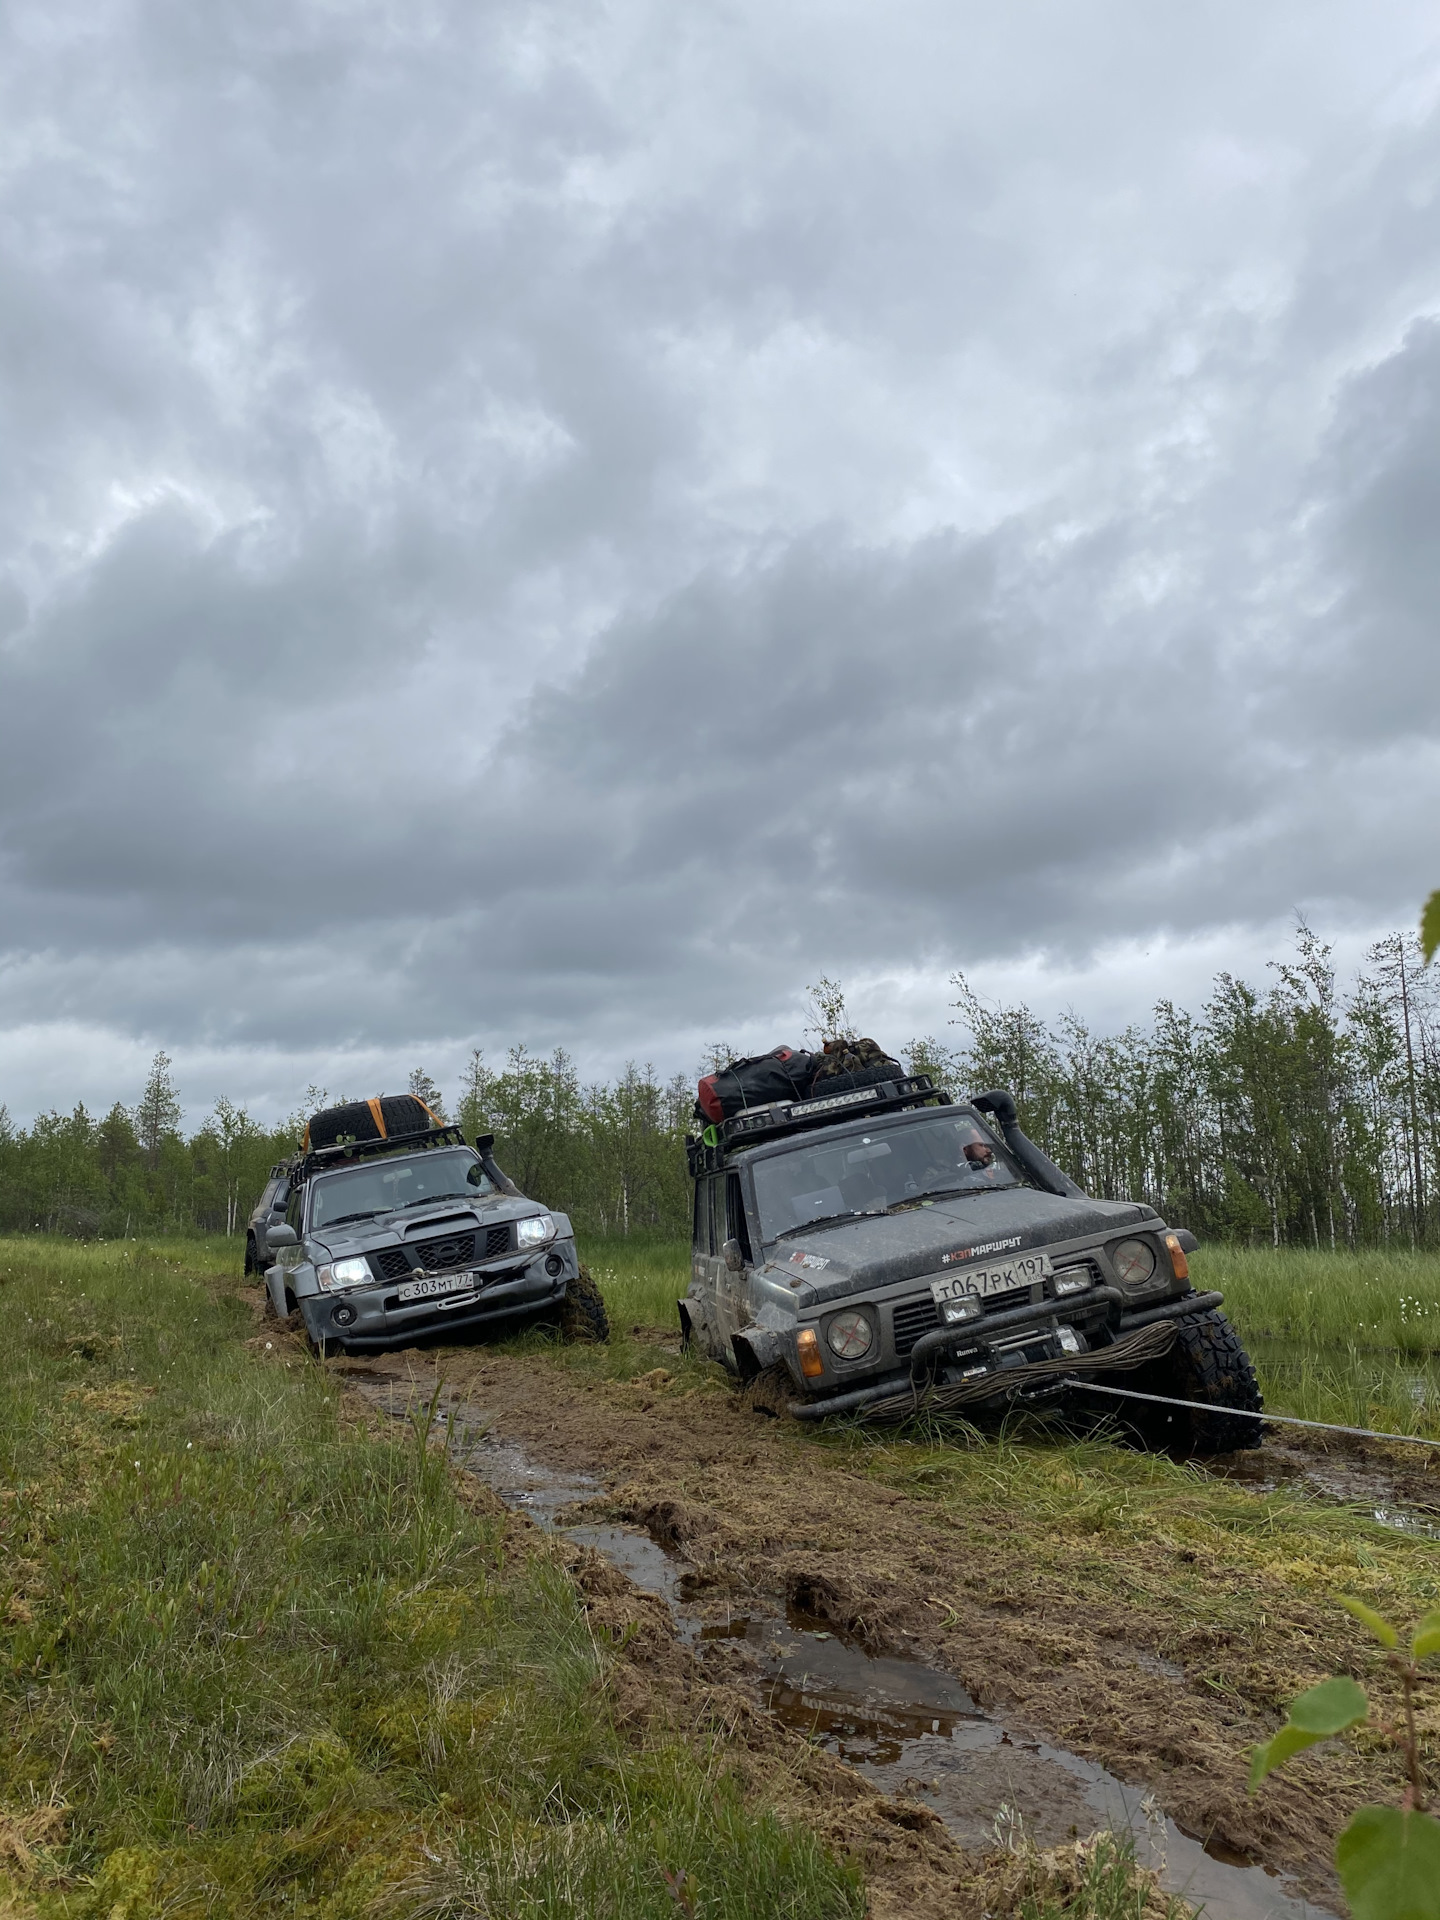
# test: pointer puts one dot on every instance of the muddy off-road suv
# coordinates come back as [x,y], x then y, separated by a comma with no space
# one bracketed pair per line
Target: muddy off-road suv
[882,1247]
[395,1229]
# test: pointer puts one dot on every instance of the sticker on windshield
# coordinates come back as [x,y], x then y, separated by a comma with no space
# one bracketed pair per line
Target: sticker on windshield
[809,1260]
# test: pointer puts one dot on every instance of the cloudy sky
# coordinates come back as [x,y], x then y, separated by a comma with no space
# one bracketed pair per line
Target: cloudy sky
[562,522]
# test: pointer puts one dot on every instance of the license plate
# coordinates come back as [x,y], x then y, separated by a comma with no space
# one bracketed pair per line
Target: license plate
[1023,1270]
[439,1283]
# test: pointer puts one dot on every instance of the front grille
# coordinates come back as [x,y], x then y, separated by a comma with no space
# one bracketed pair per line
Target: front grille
[448,1250]
[912,1318]
[443,1253]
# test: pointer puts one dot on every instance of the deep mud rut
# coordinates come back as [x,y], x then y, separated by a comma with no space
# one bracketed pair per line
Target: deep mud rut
[935,1693]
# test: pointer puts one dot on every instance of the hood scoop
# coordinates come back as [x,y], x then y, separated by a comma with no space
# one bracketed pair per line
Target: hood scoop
[462,1222]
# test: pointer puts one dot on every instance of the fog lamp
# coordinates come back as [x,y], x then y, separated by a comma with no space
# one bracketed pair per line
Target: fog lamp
[344,1315]
[967,1307]
[1075,1282]
[811,1365]
[343,1273]
[1177,1257]
[535,1231]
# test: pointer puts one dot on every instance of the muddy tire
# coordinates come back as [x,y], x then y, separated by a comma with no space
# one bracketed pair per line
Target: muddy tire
[770,1393]
[252,1265]
[1208,1363]
[582,1311]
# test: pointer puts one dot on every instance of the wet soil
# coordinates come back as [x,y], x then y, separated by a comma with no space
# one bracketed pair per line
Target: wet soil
[844,1609]
[1399,1486]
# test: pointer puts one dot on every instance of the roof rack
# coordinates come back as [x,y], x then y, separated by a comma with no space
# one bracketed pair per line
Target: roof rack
[707,1153]
[324,1159]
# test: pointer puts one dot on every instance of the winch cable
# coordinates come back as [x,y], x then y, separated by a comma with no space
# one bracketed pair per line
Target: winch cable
[1247,1413]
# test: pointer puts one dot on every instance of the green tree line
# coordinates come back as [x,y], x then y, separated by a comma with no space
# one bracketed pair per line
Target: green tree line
[1295,1111]
[610,1155]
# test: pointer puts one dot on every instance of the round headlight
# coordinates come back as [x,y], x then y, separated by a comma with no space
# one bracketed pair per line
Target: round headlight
[534,1232]
[849,1335]
[1134,1262]
[343,1273]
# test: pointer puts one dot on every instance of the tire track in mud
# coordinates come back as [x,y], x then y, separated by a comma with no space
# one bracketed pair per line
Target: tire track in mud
[771,1530]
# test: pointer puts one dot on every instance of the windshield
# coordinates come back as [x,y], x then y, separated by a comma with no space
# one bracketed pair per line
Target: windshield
[871,1173]
[385,1185]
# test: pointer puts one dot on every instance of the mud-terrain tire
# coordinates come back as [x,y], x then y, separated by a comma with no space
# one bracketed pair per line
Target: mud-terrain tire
[252,1265]
[1207,1362]
[770,1393]
[582,1311]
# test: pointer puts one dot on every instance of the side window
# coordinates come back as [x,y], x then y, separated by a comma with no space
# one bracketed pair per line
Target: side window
[295,1209]
[735,1227]
[700,1237]
[717,1213]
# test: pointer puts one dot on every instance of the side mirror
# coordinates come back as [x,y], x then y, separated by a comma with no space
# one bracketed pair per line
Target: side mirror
[733,1257]
[281,1235]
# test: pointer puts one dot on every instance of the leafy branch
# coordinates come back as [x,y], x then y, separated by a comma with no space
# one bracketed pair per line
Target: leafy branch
[1388,1858]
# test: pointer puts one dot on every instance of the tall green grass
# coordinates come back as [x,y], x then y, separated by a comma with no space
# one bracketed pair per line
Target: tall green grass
[1389,1301]
[1350,1338]
[642,1277]
[270,1662]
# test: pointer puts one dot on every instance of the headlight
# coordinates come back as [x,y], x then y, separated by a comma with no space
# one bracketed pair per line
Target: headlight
[1134,1262]
[535,1231]
[849,1335]
[344,1273]
[1075,1281]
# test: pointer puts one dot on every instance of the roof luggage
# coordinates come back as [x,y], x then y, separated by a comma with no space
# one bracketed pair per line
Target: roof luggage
[781,1074]
[364,1120]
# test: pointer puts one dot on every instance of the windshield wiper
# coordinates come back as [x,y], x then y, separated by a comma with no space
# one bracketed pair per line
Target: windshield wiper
[369,1213]
[426,1200]
[830,1220]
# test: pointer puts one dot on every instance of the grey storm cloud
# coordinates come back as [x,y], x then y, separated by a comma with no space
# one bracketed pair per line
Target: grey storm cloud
[531,522]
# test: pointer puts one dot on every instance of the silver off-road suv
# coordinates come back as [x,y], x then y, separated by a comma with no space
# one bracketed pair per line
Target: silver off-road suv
[883,1248]
[388,1241]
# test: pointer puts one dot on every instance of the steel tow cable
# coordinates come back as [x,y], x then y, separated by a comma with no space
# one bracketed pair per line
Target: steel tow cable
[1246,1413]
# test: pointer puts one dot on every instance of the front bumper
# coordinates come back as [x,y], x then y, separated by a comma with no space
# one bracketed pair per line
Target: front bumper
[927,1381]
[370,1319]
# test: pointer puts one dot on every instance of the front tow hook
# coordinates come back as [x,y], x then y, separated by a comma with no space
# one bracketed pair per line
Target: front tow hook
[992,1323]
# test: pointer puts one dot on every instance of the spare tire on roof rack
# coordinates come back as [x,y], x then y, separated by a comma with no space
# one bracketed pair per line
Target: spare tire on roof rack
[365,1120]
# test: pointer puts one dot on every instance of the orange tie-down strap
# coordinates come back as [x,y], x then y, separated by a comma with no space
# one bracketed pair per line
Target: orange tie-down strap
[378,1117]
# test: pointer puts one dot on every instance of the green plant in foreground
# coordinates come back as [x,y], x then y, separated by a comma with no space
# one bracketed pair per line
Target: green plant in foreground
[1388,1858]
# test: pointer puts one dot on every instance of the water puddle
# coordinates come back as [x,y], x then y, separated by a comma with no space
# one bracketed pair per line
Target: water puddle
[1355,1481]
[909,1728]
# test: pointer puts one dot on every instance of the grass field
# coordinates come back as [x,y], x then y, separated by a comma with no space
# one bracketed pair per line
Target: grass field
[258,1659]
[261,1660]
[1349,1338]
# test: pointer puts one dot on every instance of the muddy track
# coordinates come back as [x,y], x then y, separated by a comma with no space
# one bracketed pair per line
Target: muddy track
[764,1521]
